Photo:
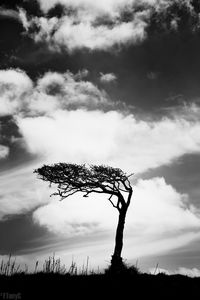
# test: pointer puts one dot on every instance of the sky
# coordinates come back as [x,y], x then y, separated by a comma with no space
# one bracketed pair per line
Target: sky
[114,82]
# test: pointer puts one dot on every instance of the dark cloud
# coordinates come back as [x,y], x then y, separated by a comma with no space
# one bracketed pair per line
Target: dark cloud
[183,174]
[19,234]
[8,129]
[54,89]
[188,256]
[11,137]
[177,17]
[36,59]
[13,39]
[31,7]
[59,11]
[10,32]
[12,4]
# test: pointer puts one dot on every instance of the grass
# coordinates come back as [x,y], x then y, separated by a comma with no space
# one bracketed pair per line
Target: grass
[10,267]
[52,279]
[51,265]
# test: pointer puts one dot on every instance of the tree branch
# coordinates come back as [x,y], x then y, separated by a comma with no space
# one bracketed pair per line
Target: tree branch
[115,206]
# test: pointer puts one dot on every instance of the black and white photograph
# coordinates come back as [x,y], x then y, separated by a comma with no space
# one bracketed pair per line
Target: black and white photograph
[99,149]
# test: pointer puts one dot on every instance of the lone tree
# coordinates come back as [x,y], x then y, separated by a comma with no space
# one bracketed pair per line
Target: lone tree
[72,178]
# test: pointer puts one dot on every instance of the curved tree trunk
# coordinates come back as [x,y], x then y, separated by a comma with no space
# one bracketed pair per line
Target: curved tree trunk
[116,261]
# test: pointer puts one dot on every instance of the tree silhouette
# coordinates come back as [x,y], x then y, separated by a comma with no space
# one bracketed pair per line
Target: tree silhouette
[72,178]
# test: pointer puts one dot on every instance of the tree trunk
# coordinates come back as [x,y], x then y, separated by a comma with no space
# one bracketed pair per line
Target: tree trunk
[116,261]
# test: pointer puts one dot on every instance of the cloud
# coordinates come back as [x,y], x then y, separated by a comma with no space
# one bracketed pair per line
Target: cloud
[9,14]
[108,77]
[106,25]
[69,89]
[4,151]
[73,33]
[20,193]
[14,88]
[85,24]
[110,138]
[104,6]
[47,112]
[80,219]
[20,95]
[156,271]
[23,18]
[159,205]
[191,272]
[18,15]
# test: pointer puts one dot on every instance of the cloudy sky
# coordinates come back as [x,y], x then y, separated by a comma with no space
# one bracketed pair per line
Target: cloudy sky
[112,82]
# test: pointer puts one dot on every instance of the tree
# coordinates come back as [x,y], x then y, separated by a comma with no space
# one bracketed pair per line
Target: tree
[72,178]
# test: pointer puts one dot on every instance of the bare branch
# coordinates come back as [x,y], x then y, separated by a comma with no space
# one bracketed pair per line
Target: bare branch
[115,206]
[130,175]
[92,191]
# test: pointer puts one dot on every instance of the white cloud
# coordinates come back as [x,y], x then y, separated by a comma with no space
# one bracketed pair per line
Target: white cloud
[70,89]
[84,27]
[158,270]
[19,95]
[19,193]
[46,26]
[14,87]
[162,208]
[23,18]
[4,151]
[108,77]
[110,138]
[9,13]
[15,78]
[77,217]
[104,6]
[191,272]
[76,33]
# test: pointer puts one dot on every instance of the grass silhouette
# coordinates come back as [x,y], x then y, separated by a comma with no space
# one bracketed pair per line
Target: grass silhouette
[55,281]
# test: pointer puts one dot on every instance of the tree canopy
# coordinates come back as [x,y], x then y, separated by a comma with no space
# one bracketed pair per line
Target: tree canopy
[73,178]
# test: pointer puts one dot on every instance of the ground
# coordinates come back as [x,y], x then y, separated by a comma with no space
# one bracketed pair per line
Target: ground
[96,286]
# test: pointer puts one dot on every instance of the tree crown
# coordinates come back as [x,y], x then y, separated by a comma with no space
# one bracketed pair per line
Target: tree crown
[73,178]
